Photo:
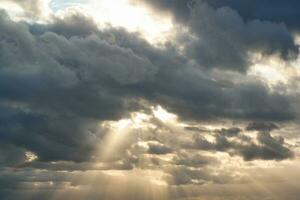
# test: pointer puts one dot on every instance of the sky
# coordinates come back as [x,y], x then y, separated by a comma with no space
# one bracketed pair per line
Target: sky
[149,100]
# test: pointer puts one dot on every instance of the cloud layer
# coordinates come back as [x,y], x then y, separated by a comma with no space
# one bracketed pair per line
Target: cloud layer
[83,105]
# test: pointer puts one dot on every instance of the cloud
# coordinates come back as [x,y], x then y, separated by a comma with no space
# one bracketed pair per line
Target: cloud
[220,38]
[261,126]
[157,148]
[249,10]
[189,176]
[196,160]
[265,147]
[58,82]
[223,34]
[33,9]
[277,11]
[269,148]
[66,83]
[230,132]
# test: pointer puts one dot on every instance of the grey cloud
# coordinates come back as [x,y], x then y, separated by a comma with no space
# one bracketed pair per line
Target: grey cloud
[220,38]
[275,11]
[59,81]
[37,184]
[230,132]
[51,138]
[157,148]
[68,26]
[197,129]
[261,126]
[186,176]
[11,155]
[268,148]
[57,84]
[222,34]
[197,160]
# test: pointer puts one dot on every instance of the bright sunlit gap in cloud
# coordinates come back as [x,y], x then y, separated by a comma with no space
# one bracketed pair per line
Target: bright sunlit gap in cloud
[30,156]
[123,13]
[134,18]
[120,130]
[273,70]
[163,115]
[140,120]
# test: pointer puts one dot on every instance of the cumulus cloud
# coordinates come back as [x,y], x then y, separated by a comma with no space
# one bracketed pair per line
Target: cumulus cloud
[223,34]
[220,38]
[249,10]
[63,81]
[58,81]
[33,9]
[265,10]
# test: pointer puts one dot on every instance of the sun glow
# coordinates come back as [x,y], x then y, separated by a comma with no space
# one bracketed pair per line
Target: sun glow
[14,9]
[274,70]
[30,156]
[122,124]
[123,13]
[134,18]
[162,114]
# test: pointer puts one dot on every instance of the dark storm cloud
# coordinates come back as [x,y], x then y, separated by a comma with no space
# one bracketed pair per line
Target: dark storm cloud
[222,34]
[51,138]
[49,104]
[58,81]
[277,10]
[203,99]
[221,39]
[11,155]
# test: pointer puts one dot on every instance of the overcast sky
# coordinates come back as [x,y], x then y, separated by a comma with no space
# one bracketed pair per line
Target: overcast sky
[149,100]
